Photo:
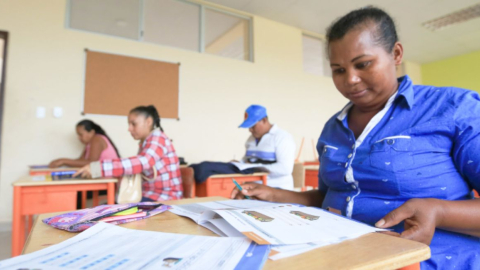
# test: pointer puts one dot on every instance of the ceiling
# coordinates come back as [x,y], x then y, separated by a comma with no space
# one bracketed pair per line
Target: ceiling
[421,45]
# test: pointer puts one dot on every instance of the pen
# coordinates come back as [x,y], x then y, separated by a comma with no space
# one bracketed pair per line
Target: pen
[240,188]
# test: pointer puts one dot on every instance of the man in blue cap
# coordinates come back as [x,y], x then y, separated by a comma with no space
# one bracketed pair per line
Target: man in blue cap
[269,148]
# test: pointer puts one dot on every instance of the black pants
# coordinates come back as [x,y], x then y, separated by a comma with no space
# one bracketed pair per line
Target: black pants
[206,169]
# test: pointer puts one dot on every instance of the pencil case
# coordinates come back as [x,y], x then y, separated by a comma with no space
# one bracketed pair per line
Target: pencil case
[83,219]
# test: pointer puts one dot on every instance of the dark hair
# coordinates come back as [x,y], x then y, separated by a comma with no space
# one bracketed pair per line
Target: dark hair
[385,33]
[89,125]
[149,111]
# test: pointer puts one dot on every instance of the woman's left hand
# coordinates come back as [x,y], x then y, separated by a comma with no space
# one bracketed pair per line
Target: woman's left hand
[421,217]
[84,172]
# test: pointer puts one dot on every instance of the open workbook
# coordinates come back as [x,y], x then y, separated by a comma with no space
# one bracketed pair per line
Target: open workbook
[106,246]
[291,229]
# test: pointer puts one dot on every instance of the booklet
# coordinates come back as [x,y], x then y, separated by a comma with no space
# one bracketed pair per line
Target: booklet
[105,246]
[203,214]
[266,223]
[291,224]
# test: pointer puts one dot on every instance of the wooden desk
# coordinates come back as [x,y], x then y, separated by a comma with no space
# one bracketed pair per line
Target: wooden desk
[311,176]
[37,197]
[371,251]
[222,184]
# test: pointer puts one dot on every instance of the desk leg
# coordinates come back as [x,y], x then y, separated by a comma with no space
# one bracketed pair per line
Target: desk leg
[18,223]
[110,193]
[84,199]
[95,198]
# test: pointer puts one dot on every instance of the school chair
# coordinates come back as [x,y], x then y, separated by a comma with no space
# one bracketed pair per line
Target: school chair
[188,182]
[298,176]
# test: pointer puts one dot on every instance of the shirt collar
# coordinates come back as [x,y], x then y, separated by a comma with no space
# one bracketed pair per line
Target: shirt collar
[405,89]
[273,129]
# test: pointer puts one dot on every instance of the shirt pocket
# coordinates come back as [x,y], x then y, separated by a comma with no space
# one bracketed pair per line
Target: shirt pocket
[329,151]
[392,154]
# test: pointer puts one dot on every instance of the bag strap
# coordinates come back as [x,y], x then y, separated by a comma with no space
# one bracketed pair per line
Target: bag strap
[154,175]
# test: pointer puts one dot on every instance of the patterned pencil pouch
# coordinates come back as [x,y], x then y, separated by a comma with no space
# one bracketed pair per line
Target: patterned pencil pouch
[81,220]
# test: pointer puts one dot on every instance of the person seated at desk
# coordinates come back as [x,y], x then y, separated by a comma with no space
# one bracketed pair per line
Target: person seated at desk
[98,146]
[270,147]
[398,155]
[156,150]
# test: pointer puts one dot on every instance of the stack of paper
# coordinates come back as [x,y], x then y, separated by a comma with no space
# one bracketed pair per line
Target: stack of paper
[106,246]
[290,229]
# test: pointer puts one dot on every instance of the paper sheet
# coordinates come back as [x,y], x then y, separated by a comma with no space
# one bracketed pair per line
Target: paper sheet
[105,246]
[289,224]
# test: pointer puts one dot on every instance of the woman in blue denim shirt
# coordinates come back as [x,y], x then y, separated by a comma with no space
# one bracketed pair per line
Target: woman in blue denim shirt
[398,155]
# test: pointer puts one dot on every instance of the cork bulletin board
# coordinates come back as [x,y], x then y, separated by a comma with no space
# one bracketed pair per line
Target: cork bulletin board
[115,84]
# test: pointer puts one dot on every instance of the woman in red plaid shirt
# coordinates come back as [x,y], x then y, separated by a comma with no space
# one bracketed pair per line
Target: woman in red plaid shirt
[155,150]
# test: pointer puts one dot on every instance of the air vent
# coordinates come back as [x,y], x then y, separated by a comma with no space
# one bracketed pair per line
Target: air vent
[463,15]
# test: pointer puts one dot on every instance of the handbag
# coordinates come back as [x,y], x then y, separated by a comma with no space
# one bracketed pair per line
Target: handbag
[83,219]
[130,190]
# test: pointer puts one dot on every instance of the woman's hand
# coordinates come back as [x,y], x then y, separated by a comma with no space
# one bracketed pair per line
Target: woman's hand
[84,172]
[56,163]
[255,191]
[421,217]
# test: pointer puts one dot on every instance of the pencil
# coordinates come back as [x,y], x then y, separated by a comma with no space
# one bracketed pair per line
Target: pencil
[240,188]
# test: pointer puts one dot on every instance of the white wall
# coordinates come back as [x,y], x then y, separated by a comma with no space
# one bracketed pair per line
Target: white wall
[46,68]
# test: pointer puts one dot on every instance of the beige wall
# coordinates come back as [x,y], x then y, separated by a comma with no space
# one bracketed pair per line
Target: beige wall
[46,68]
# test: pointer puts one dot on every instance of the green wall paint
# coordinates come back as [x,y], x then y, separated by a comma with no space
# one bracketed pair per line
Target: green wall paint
[460,71]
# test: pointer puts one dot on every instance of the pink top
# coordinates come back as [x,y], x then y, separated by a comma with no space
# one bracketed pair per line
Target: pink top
[108,153]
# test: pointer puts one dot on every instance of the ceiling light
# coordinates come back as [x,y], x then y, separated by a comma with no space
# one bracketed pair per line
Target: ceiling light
[463,15]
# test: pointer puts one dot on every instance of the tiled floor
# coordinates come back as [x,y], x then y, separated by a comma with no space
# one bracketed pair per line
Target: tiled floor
[5,240]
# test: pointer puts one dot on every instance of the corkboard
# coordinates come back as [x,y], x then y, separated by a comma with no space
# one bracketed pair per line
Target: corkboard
[115,84]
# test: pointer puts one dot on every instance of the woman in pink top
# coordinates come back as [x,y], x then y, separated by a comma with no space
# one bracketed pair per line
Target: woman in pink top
[98,146]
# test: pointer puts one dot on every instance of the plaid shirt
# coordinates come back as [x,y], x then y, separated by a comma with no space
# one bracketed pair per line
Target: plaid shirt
[157,150]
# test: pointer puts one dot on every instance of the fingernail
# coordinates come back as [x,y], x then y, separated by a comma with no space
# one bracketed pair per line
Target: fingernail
[244,191]
[380,223]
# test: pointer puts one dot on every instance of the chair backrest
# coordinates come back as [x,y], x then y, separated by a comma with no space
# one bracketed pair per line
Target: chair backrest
[188,182]
[298,175]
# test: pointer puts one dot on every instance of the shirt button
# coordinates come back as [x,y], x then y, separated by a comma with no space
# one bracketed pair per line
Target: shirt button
[390,141]
[353,146]
[325,150]
[346,164]
[348,198]
[354,187]
[349,156]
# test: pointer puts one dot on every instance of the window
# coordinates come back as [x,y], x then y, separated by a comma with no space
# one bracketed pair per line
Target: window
[227,35]
[314,56]
[119,18]
[174,23]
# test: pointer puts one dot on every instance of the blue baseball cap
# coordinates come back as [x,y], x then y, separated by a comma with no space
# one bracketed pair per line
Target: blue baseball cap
[253,114]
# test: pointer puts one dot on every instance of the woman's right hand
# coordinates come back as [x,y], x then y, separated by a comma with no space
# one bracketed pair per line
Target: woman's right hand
[255,191]
[56,163]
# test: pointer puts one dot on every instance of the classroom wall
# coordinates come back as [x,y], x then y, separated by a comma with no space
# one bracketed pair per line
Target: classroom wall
[46,68]
[460,71]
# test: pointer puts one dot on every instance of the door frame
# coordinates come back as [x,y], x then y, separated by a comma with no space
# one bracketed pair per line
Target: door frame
[4,36]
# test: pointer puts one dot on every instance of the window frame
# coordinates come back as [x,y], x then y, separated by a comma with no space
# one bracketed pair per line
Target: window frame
[202,24]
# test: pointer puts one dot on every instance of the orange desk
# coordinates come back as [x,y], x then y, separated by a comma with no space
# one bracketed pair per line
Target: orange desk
[311,176]
[32,197]
[222,184]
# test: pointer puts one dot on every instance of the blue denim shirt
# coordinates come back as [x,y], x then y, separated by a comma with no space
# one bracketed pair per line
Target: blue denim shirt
[425,143]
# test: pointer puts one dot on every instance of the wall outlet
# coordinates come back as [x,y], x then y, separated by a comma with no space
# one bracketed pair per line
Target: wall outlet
[41,112]
[57,112]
